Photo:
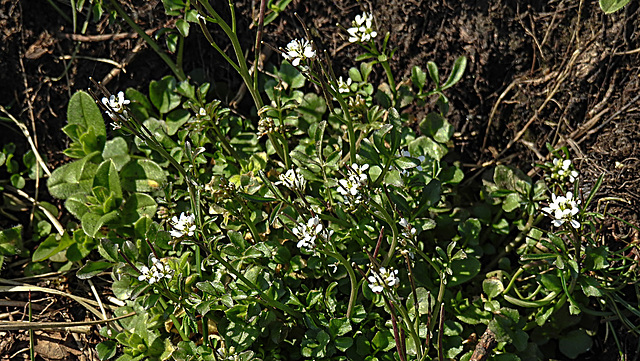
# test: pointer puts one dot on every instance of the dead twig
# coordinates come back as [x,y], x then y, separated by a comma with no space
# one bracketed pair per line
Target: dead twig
[485,346]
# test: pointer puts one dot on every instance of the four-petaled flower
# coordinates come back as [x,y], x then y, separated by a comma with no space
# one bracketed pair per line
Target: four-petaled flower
[116,105]
[298,50]
[292,179]
[156,272]
[563,209]
[308,233]
[183,226]
[362,29]
[377,281]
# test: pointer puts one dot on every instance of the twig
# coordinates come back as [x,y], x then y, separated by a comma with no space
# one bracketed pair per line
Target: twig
[485,346]
[104,37]
[21,325]
[97,296]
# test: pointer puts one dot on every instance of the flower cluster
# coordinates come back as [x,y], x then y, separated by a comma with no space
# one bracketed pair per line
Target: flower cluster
[389,277]
[309,232]
[292,179]
[563,209]
[299,50]
[183,226]
[266,125]
[562,171]
[408,231]
[351,186]
[362,29]
[156,272]
[116,105]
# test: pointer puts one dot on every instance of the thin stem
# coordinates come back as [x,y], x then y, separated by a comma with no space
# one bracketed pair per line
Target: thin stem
[177,71]
[173,318]
[352,279]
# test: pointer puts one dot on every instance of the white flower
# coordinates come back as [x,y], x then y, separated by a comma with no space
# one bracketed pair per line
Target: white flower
[292,179]
[362,29]
[351,186]
[115,125]
[377,281]
[344,86]
[202,112]
[562,170]
[298,50]
[115,105]
[408,230]
[183,226]
[563,209]
[156,272]
[309,232]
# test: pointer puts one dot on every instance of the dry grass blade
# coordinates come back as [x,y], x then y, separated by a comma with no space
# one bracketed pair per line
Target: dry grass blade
[87,303]
[26,133]
[22,325]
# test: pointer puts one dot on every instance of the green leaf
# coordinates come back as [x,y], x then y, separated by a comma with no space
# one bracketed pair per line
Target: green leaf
[163,95]
[511,202]
[575,343]
[91,222]
[290,75]
[394,178]
[117,150]
[456,73]
[418,77]
[176,119]
[17,181]
[433,73]
[106,350]
[11,241]
[73,178]
[107,176]
[437,127]
[138,205]
[142,175]
[492,287]
[83,111]
[51,246]
[183,27]
[91,269]
[343,343]
[611,6]
[464,270]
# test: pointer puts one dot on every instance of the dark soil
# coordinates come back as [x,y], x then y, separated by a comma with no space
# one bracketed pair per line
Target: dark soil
[559,72]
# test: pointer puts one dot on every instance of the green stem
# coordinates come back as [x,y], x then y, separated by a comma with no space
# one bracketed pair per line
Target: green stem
[173,318]
[224,141]
[412,331]
[177,71]
[352,279]
[394,232]
[243,70]
[392,82]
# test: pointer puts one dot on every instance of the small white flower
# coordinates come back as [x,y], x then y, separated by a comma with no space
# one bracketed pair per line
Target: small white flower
[308,233]
[115,125]
[408,230]
[202,112]
[299,50]
[563,209]
[377,281]
[156,272]
[115,105]
[350,187]
[292,179]
[362,29]
[183,226]
[562,170]
[344,86]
